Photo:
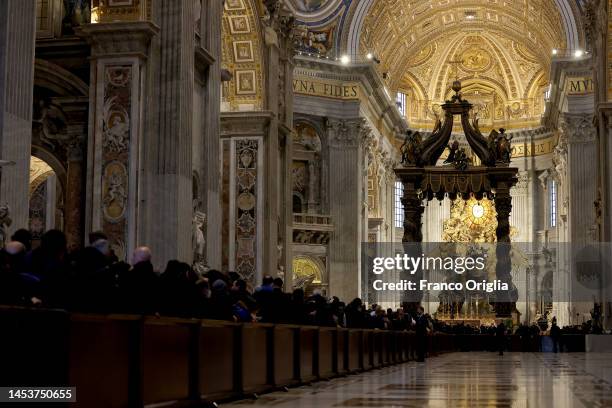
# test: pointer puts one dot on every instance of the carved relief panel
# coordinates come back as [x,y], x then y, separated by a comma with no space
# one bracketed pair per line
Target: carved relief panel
[114,158]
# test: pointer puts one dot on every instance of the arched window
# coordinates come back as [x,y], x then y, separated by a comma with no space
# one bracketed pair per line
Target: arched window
[402,103]
[552,203]
[399,207]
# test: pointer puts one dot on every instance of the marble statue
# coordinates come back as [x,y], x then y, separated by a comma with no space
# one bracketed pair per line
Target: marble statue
[199,242]
[499,145]
[461,160]
[411,149]
[452,152]
[504,148]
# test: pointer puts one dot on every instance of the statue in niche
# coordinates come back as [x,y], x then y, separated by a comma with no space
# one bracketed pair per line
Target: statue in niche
[5,222]
[411,149]
[598,204]
[199,242]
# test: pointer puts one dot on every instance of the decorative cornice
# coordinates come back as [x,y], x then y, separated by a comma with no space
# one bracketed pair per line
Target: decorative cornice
[118,38]
[245,124]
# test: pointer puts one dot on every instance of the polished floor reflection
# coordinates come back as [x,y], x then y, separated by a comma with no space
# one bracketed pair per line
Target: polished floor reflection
[464,380]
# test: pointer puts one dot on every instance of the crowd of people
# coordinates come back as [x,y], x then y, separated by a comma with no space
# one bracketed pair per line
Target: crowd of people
[92,279]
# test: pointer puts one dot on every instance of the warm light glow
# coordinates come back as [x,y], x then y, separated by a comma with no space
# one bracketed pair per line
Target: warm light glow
[369,56]
[478,211]
[470,17]
[345,59]
[578,53]
[555,51]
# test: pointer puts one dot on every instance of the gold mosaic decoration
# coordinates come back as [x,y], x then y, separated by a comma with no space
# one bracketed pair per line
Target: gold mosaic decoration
[472,220]
[120,10]
[242,56]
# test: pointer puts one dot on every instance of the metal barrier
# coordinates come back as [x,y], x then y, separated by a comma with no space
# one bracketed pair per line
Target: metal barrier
[135,361]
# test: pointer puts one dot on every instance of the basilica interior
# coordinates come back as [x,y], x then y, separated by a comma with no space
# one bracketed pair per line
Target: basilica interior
[291,138]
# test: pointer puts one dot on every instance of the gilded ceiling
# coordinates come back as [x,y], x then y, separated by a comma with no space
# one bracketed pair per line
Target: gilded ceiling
[501,50]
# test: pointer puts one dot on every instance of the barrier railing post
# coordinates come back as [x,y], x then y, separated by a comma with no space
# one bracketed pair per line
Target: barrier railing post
[297,355]
[335,367]
[270,356]
[237,362]
[315,353]
[135,369]
[361,351]
[195,393]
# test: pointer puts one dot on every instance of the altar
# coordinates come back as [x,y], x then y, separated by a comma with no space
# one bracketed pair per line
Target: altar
[458,178]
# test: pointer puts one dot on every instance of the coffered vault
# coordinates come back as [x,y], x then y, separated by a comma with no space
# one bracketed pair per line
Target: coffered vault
[500,50]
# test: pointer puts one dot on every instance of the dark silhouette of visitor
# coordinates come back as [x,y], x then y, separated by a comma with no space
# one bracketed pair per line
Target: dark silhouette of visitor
[555,335]
[501,337]
[422,325]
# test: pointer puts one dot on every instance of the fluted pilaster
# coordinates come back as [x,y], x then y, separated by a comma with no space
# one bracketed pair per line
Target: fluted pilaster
[347,159]
[17,39]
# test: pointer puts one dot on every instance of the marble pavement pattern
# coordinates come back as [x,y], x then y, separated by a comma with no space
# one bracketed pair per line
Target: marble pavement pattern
[464,380]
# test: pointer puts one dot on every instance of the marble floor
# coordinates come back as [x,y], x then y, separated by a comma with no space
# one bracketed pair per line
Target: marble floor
[464,380]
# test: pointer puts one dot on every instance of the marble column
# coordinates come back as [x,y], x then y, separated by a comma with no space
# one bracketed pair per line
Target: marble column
[115,140]
[604,199]
[346,182]
[243,137]
[210,170]
[167,211]
[17,43]
[413,209]
[278,55]
[504,302]
[413,227]
[582,225]
[73,218]
[561,274]
[285,248]
[272,163]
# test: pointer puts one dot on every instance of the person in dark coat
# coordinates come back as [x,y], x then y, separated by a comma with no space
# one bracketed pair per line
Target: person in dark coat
[355,315]
[555,335]
[94,281]
[221,307]
[422,326]
[12,258]
[240,293]
[501,337]
[299,309]
[139,286]
[178,294]
[25,237]
[47,264]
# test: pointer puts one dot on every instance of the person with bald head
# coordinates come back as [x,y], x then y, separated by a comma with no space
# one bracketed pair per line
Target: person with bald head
[141,254]
[139,286]
[15,248]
